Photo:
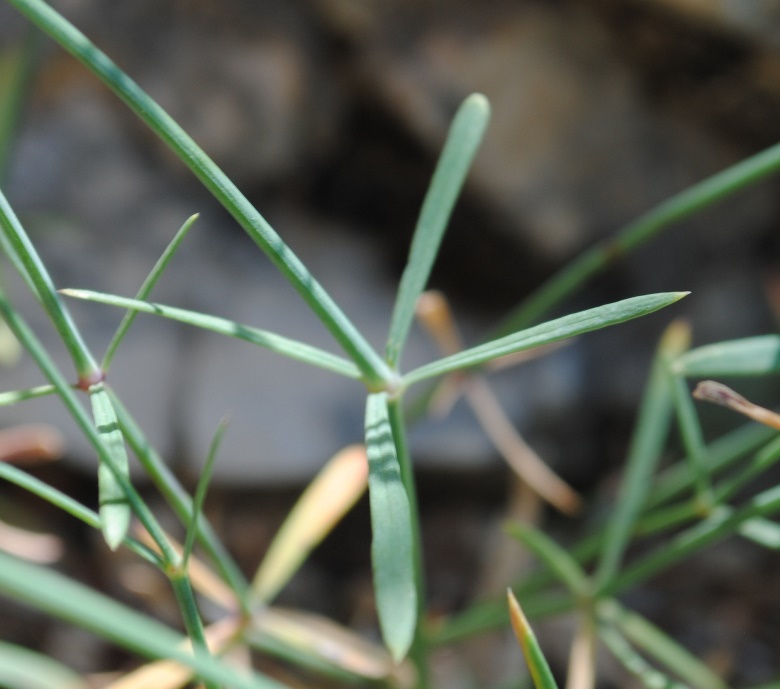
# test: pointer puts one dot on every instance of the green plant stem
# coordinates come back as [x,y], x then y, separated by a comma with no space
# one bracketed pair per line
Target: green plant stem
[185,597]
[419,650]
[181,503]
[605,253]
[376,372]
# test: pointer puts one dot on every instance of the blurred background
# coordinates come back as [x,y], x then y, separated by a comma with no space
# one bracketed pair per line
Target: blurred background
[329,115]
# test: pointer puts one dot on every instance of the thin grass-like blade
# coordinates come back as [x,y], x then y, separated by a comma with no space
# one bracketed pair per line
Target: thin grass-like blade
[647,443]
[391,525]
[462,142]
[56,595]
[21,668]
[276,343]
[146,288]
[200,492]
[537,663]
[750,356]
[546,333]
[656,644]
[115,510]
[324,502]
[15,396]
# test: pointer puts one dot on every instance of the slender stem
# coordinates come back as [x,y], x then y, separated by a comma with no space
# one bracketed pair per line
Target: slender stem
[419,649]
[376,372]
[182,588]
[682,205]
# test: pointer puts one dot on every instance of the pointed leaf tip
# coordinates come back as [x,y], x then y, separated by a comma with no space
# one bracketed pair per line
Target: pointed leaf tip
[537,664]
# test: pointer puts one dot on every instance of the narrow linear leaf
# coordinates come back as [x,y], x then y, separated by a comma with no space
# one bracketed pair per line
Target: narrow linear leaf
[658,645]
[391,525]
[276,343]
[21,668]
[692,435]
[115,509]
[321,506]
[534,658]
[61,597]
[459,150]
[751,356]
[546,333]
[146,289]
[15,396]
[647,443]
[200,491]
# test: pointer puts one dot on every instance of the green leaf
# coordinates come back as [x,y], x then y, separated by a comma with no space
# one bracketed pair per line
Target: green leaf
[276,343]
[546,333]
[459,150]
[61,597]
[647,442]
[9,398]
[21,668]
[537,663]
[200,492]
[146,288]
[751,356]
[392,545]
[115,510]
